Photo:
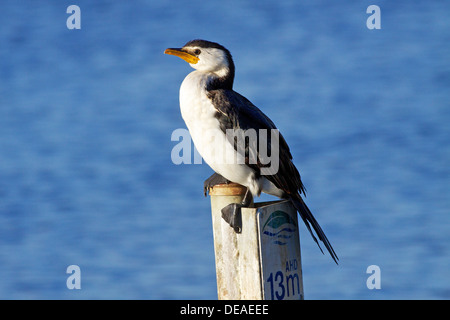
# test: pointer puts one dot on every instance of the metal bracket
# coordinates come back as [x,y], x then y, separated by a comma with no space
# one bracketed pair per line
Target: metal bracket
[232,215]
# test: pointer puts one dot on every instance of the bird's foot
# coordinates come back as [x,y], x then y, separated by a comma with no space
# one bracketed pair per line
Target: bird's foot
[232,212]
[232,215]
[212,181]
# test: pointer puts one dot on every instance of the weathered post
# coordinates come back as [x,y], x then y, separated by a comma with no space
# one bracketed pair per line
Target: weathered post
[262,261]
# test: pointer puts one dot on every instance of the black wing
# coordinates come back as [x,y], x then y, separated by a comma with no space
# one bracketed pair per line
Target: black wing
[234,111]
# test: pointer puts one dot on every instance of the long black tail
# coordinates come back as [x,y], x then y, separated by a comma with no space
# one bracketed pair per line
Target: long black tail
[309,221]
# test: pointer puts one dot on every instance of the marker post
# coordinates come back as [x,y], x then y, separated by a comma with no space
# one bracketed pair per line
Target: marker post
[263,261]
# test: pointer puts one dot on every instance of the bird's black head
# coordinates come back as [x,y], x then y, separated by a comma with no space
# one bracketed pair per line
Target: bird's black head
[208,57]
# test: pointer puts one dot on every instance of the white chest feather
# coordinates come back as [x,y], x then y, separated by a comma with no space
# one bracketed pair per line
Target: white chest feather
[197,110]
[199,114]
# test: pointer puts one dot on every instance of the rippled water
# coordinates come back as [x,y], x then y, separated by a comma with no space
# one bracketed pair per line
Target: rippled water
[86,118]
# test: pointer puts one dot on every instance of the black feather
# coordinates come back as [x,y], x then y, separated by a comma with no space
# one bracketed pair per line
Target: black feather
[309,221]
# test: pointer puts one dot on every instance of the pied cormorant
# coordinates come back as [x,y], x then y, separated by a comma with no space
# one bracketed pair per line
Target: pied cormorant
[211,108]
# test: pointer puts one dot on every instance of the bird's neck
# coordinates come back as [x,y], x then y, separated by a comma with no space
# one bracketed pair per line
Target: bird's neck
[221,79]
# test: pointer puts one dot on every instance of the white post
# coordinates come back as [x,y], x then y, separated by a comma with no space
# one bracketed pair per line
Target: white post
[263,261]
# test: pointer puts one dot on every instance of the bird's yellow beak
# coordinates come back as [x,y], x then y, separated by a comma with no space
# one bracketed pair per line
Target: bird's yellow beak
[182,54]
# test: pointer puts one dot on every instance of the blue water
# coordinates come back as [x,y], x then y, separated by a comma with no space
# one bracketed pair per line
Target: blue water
[86,118]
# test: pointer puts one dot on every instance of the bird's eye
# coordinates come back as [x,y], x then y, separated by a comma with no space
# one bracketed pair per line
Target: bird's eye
[197,51]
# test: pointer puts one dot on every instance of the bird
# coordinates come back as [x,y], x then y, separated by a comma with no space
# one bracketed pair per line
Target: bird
[211,109]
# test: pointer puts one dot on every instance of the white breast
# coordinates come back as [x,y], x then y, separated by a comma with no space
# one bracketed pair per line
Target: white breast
[199,113]
[196,108]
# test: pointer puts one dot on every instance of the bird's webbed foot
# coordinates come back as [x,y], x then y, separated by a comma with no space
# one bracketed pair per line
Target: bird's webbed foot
[232,212]
[232,215]
[212,181]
